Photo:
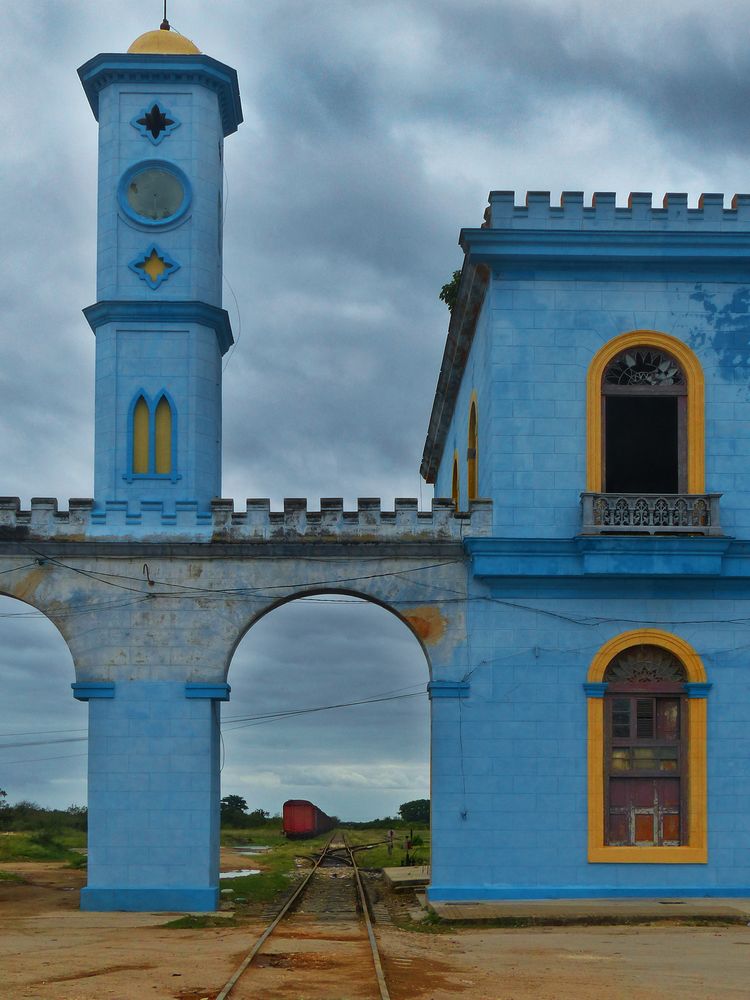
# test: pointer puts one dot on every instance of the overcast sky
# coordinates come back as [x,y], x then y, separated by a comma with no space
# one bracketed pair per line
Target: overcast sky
[373,132]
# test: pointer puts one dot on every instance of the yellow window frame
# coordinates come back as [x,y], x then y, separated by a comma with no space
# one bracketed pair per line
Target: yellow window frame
[691,366]
[696,849]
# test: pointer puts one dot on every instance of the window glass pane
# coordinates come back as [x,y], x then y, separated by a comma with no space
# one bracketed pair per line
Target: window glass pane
[645,718]
[621,718]
[668,759]
[644,757]
[620,760]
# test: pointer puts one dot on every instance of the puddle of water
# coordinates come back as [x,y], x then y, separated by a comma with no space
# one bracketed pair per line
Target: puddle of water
[251,848]
[240,873]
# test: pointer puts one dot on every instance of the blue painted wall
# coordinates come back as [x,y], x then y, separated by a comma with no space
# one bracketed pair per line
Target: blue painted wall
[509,774]
[540,327]
[509,771]
[167,335]
[154,787]
[196,148]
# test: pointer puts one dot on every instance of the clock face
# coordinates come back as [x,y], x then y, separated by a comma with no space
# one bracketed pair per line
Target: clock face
[154,193]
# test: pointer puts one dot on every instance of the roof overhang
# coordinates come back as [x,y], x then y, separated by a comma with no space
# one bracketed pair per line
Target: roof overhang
[153,69]
[475,279]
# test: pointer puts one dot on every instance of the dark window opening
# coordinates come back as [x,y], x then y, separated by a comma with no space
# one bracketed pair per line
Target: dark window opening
[642,452]
[155,121]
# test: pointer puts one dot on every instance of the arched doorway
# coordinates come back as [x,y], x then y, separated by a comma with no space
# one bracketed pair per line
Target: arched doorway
[329,703]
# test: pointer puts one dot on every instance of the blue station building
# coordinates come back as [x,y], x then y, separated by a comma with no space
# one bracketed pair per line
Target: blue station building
[580,588]
[596,387]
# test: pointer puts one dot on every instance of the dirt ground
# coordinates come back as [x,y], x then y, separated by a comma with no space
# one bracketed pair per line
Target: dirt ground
[49,950]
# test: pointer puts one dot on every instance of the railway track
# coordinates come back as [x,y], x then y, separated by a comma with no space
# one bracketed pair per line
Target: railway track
[341,898]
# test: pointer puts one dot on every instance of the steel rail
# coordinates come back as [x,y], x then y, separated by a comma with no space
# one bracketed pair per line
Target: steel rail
[229,986]
[365,903]
[365,907]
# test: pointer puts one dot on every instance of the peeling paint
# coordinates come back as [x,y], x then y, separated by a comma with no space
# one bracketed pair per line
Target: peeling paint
[428,623]
[725,329]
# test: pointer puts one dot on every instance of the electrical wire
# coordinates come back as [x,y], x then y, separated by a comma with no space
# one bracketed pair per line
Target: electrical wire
[232,724]
[33,760]
[275,716]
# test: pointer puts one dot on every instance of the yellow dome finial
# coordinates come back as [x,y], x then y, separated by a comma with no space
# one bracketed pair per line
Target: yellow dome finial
[164,41]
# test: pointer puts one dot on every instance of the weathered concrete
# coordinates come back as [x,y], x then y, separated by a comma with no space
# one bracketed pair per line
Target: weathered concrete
[152,627]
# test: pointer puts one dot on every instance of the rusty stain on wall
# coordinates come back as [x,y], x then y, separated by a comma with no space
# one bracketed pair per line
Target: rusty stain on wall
[25,587]
[428,623]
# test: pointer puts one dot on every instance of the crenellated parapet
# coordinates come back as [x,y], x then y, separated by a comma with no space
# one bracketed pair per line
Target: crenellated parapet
[85,520]
[640,212]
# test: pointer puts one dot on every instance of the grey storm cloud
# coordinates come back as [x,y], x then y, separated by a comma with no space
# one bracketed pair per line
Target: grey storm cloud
[373,132]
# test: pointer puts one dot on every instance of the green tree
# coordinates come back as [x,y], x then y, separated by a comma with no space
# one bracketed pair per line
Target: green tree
[449,291]
[233,810]
[416,811]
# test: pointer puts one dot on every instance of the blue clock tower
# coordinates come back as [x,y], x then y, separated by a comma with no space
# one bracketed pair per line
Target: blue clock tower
[163,110]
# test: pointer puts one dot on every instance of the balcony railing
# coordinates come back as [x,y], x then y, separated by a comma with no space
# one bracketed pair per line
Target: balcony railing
[650,514]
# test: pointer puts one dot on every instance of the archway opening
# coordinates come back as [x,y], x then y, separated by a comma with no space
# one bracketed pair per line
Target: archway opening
[328,705]
[43,736]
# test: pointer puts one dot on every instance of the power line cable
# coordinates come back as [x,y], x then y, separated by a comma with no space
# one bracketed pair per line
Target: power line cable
[33,760]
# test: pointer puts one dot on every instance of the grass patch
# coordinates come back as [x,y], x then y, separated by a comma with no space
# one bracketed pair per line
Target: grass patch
[378,857]
[42,846]
[194,922]
[277,866]
[238,836]
[11,877]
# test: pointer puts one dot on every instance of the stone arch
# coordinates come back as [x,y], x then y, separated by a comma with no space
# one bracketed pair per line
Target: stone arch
[320,656]
[24,590]
[422,621]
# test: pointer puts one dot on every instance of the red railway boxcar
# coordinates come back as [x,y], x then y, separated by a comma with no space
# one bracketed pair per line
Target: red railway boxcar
[303,819]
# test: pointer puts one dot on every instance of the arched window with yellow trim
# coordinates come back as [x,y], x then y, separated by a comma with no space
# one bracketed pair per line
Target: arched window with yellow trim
[152,428]
[645,416]
[645,763]
[472,453]
[647,751]
[456,482]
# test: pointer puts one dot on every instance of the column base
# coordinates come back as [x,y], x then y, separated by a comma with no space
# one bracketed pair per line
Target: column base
[150,899]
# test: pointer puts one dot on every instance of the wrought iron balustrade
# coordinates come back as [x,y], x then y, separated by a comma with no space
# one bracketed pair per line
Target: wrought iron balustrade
[650,514]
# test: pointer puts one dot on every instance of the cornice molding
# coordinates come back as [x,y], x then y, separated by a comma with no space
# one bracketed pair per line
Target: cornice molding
[114,67]
[162,312]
